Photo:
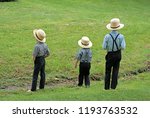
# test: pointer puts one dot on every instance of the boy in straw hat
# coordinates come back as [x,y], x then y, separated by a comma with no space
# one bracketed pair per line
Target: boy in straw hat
[84,56]
[113,42]
[40,52]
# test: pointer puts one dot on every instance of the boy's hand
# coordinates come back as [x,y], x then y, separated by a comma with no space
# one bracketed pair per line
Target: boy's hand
[76,63]
[33,58]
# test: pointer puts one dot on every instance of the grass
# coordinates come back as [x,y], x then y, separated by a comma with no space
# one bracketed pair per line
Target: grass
[65,22]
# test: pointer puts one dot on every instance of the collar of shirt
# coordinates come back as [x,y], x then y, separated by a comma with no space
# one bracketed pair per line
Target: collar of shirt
[40,42]
[114,32]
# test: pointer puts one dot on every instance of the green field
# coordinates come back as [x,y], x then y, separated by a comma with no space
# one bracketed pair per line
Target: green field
[65,22]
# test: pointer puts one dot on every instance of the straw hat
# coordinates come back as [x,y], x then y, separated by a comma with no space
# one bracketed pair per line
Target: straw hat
[39,35]
[85,42]
[114,24]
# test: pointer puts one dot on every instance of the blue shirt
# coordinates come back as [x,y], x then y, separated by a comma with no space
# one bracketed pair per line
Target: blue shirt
[84,55]
[108,42]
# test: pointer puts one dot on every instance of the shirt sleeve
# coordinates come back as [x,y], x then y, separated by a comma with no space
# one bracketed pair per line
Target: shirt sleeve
[123,43]
[104,46]
[35,51]
[79,55]
[90,56]
[47,52]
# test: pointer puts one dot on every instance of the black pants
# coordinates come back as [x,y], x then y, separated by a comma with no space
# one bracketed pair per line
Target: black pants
[39,66]
[112,62]
[84,71]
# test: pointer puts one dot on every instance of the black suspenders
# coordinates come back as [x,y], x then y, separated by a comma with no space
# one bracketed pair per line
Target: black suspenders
[114,42]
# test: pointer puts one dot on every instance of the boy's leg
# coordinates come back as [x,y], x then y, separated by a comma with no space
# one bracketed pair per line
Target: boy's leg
[115,76]
[87,73]
[115,71]
[80,83]
[35,77]
[81,74]
[87,81]
[108,66]
[42,74]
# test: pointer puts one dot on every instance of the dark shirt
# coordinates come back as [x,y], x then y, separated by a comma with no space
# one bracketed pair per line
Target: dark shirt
[41,49]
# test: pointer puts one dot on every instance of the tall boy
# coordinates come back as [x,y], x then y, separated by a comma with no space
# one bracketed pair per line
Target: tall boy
[113,42]
[40,52]
[84,56]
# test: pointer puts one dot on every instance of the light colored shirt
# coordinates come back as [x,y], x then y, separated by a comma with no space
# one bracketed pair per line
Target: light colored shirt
[41,49]
[84,55]
[108,42]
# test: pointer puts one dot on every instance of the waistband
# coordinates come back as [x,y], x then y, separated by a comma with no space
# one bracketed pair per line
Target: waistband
[114,52]
[40,57]
[85,62]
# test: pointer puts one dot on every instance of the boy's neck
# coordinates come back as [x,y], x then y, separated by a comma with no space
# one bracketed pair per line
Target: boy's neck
[39,42]
[114,31]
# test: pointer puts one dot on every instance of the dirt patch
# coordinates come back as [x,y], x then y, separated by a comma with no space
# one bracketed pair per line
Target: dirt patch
[58,81]
[138,71]
[61,82]
[97,77]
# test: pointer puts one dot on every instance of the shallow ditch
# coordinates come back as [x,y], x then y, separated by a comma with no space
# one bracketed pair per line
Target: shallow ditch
[72,81]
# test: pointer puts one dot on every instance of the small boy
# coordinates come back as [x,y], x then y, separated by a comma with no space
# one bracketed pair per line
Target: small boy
[113,42]
[40,52]
[84,56]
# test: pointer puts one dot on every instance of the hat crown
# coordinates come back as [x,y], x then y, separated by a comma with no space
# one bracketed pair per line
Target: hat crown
[115,22]
[40,34]
[85,40]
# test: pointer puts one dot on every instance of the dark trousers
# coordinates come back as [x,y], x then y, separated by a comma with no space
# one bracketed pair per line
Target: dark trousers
[39,66]
[112,64]
[84,71]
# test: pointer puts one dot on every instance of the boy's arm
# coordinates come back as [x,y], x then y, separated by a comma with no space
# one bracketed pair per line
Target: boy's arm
[123,43]
[76,63]
[35,52]
[47,52]
[33,57]
[104,45]
[78,57]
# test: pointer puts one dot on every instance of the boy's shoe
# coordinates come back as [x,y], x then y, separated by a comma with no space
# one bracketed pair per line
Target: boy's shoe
[112,89]
[79,85]
[87,86]
[29,91]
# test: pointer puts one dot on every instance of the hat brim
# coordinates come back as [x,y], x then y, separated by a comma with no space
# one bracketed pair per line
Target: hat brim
[83,46]
[34,34]
[108,26]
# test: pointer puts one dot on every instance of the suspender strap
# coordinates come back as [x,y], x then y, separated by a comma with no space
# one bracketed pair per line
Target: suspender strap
[114,42]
